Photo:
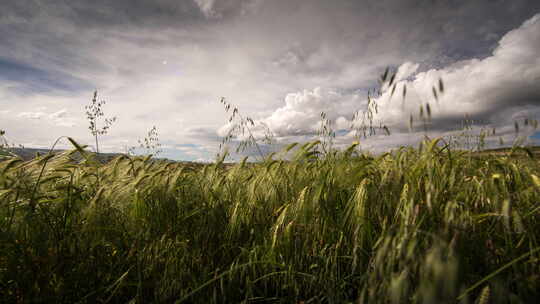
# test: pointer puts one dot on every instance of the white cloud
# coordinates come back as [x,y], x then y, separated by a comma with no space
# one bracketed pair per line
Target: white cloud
[207,7]
[32,115]
[59,118]
[60,114]
[406,70]
[302,110]
[521,44]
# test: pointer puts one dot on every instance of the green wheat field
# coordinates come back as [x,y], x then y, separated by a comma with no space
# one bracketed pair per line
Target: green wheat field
[417,225]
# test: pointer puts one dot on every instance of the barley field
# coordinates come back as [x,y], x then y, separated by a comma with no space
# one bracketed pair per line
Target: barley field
[416,225]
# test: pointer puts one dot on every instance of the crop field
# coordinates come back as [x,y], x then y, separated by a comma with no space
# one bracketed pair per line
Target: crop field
[425,225]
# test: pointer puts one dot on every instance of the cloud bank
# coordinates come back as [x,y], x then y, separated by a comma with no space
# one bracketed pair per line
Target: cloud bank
[167,63]
[494,92]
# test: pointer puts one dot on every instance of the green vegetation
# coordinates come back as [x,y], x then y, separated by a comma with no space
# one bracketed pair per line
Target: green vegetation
[427,225]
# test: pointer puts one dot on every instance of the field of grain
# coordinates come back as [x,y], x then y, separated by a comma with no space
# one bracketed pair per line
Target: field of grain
[427,225]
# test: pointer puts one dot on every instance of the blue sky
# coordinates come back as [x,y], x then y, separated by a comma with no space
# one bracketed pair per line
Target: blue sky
[167,64]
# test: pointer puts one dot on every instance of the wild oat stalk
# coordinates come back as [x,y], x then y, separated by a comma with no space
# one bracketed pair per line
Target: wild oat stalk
[94,113]
[240,126]
[151,142]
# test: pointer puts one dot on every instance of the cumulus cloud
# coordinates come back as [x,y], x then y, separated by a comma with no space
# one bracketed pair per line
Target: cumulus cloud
[494,92]
[301,113]
[59,118]
[406,70]
[488,90]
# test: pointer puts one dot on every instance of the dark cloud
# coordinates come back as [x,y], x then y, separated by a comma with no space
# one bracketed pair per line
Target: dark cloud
[62,35]
[317,40]
[27,79]
[103,14]
[437,32]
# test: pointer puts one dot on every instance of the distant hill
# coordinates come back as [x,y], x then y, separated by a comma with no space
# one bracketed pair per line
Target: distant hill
[30,153]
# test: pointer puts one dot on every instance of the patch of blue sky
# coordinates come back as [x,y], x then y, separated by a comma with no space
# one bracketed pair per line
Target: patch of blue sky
[342,132]
[31,80]
[535,138]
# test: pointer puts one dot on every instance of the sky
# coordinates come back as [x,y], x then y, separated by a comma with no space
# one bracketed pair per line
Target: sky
[168,63]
